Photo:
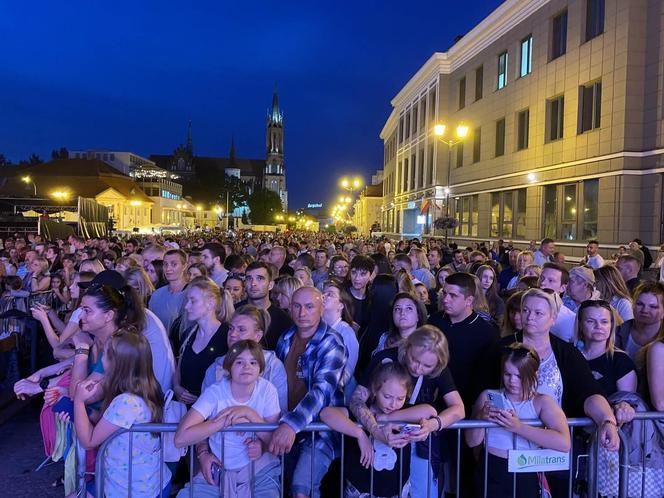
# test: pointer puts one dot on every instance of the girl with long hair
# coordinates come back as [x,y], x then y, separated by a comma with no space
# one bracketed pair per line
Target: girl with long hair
[489,284]
[138,279]
[517,400]
[612,288]
[131,395]
[408,313]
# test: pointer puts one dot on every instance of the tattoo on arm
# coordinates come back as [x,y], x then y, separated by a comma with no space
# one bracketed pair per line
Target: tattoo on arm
[359,408]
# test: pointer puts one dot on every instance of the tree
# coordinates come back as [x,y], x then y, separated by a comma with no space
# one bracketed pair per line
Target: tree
[31,161]
[62,153]
[237,193]
[4,161]
[263,205]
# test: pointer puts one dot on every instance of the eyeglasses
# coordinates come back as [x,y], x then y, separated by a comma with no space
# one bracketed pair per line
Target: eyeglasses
[104,288]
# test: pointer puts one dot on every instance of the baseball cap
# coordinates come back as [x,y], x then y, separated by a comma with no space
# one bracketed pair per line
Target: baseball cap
[110,278]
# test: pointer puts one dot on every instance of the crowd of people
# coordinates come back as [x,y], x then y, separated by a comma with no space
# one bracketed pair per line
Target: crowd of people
[387,342]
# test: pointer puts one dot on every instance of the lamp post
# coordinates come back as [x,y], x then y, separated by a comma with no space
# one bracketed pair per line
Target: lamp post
[28,180]
[461,132]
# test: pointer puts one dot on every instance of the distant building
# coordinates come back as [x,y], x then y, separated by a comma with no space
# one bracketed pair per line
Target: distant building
[124,162]
[563,101]
[367,210]
[200,174]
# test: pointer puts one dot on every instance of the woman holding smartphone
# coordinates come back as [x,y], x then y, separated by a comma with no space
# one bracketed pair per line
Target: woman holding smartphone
[517,400]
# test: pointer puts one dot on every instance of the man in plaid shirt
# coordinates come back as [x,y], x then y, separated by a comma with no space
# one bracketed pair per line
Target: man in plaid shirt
[314,356]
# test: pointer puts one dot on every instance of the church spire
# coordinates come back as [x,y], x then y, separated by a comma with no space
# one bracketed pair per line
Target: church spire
[274,115]
[231,155]
[190,143]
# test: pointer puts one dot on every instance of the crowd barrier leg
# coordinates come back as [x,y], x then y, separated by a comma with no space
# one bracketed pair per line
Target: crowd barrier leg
[342,485]
[458,465]
[80,467]
[131,459]
[191,470]
[623,473]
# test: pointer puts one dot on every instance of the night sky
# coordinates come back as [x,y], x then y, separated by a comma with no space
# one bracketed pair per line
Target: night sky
[130,75]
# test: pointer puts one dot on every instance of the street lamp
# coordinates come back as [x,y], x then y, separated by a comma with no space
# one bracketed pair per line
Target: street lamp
[351,184]
[461,132]
[28,180]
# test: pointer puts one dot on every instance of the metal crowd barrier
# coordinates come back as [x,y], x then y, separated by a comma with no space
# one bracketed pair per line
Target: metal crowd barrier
[574,424]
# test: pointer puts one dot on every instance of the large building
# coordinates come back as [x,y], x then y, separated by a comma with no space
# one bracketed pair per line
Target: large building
[200,175]
[564,102]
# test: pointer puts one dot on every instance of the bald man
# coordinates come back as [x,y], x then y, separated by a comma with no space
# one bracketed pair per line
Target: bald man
[315,357]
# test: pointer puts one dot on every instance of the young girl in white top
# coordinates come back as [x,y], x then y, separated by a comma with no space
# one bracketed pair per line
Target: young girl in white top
[517,400]
[241,396]
[131,396]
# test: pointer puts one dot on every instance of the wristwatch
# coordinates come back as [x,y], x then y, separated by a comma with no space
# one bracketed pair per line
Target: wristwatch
[43,384]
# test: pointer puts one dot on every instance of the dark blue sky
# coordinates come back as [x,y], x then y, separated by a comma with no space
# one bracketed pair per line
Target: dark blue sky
[130,75]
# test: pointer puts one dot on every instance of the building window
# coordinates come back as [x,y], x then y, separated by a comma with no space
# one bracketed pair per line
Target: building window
[590,106]
[508,214]
[477,144]
[407,125]
[502,70]
[500,137]
[462,93]
[420,169]
[415,122]
[571,209]
[432,180]
[401,129]
[594,18]
[590,208]
[459,154]
[423,113]
[479,82]
[522,119]
[432,105]
[559,35]
[526,56]
[555,110]
[467,212]
[413,166]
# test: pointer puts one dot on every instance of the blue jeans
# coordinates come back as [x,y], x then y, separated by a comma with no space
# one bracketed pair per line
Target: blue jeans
[298,464]
[420,468]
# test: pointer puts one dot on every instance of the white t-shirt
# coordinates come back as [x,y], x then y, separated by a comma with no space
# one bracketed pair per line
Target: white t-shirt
[563,328]
[596,261]
[264,401]
[163,362]
[623,307]
[124,411]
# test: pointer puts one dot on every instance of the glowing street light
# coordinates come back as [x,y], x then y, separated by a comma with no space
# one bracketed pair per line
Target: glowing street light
[27,179]
[461,132]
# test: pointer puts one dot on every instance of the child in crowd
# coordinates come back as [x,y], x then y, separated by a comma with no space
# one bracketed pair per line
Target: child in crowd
[517,400]
[390,387]
[242,396]
[131,396]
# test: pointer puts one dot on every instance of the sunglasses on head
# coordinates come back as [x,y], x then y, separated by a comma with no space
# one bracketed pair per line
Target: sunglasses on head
[599,303]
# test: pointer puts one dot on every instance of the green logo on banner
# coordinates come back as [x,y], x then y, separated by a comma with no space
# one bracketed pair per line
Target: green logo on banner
[522,460]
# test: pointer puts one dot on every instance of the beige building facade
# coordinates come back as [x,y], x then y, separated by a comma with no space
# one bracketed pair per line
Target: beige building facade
[564,103]
[367,209]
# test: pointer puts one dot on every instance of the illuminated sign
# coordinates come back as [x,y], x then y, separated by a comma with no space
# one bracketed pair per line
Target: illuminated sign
[313,205]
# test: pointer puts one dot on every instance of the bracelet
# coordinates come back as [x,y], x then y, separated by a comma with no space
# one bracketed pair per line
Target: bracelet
[202,452]
[610,422]
[438,422]
[85,351]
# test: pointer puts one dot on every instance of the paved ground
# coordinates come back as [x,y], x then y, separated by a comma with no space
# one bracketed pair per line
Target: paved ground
[21,451]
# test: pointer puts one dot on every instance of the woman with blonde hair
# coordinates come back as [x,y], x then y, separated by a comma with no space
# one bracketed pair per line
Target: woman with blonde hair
[425,354]
[405,283]
[140,282]
[420,267]
[210,311]
[283,290]
[612,288]
[40,281]
[124,263]
[523,261]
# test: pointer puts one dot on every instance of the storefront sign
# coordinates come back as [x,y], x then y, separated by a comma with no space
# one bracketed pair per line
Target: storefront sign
[313,205]
[537,460]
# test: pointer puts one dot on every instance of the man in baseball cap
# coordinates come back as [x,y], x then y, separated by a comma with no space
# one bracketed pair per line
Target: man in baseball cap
[581,287]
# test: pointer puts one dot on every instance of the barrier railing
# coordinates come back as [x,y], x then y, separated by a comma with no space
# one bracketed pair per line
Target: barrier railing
[624,469]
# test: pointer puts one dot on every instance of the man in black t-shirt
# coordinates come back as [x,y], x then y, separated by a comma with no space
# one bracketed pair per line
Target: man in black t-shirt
[258,285]
[470,338]
[361,274]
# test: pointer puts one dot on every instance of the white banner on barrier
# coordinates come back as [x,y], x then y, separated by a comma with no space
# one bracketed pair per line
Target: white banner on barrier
[537,460]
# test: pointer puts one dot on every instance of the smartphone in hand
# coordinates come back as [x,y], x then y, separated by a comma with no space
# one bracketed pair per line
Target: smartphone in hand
[497,401]
[215,470]
[408,428]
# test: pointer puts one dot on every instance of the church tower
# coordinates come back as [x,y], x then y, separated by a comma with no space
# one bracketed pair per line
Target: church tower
[274,177]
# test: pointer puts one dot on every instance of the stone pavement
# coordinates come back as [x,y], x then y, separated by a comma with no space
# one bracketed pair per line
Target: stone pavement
[21,451]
